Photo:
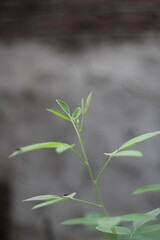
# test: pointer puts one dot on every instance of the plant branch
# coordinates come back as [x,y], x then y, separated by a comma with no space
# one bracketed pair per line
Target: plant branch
[103,168]
[89,169]
[83,201]
[78,155]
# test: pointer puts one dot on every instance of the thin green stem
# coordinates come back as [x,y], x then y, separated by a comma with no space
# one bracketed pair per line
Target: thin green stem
[89,169]
[78,155]
[81,124]
[132,234]
[103,168]
[83,201]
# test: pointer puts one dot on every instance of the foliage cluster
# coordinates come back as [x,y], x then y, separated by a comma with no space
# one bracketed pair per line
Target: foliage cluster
[137,226]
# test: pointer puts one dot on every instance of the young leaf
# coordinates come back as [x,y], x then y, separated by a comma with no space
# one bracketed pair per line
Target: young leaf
[88,102]
[35,147]
[64,106]
[76,113]
[138,139]
[147,188]
[59,114]
[64,147]
[129,153]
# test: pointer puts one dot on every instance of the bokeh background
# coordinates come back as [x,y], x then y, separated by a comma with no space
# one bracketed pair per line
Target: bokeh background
[64,49]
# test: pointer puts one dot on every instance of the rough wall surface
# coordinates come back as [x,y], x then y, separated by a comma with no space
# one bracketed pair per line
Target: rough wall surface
[125,80]
[68,18]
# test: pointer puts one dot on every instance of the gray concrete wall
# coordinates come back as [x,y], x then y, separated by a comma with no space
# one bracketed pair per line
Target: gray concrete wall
[125,79]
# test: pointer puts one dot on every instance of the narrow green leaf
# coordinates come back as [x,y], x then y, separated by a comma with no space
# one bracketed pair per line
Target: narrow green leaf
[64,147]
[88,102]
[147,188]
[76,113]
[119,230]
[138,139]
[82,104]
[147,217]
[43,204]
[35,147]
[43,198]
[50,199]
[64,106]
[129,153]
[59,114]
[149,228]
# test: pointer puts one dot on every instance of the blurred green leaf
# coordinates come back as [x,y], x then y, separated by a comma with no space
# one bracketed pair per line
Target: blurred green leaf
[88,102]
[147,188]
[149,228]
[34,147]
[76,113]
[43,204]
[42,198]
[82,104]
[118,230]
[138,139]
[145,218]
[64,106]
[89,219]
[59,114]
[129,153]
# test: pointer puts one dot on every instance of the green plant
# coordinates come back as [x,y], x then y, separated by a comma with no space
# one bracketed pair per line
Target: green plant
[137,225]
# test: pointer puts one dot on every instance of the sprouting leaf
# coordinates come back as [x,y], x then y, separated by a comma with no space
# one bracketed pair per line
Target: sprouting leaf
[149,228]
[76,113]
[88,102]
[147,188]
[64,106]
[64,147]
[147,217]
[138,139]
[117,229]
[129,153]
[59,114]
[35,147]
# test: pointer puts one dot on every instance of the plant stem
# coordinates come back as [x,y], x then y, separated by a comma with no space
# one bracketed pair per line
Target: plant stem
[89,169]
[78,155]
[83,201]
[103,168]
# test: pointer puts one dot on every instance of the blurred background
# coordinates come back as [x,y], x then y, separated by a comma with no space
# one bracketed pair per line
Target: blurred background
[64,49]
